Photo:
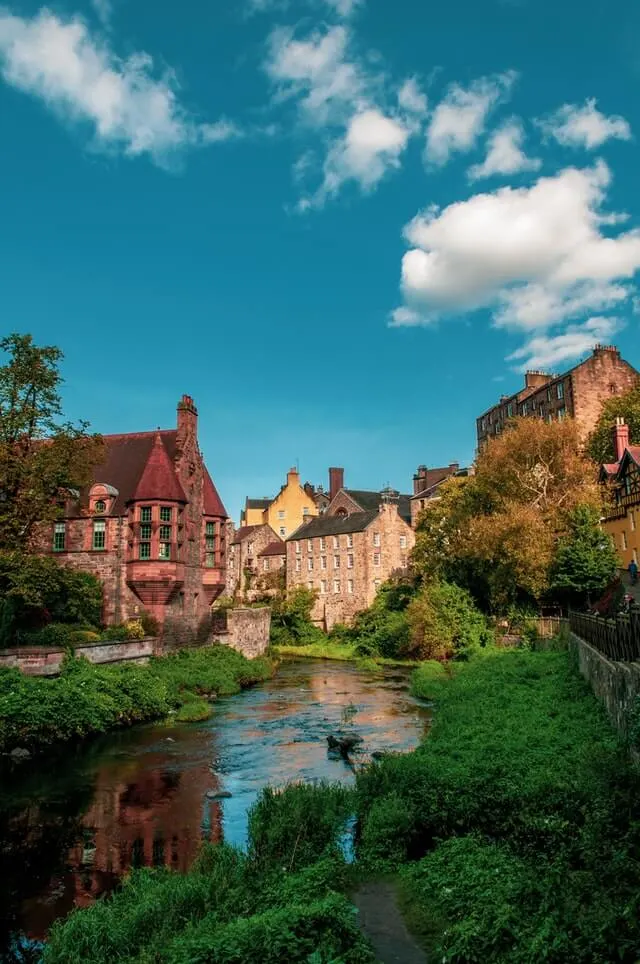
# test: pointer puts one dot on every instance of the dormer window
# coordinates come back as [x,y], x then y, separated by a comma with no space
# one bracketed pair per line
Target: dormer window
[100,507]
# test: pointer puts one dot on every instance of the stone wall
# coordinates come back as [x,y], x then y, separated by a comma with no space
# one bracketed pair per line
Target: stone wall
[45,661]
[247,631]
[615,685]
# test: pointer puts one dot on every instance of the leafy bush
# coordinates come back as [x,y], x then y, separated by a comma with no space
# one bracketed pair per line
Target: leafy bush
[291,619]
[55,635]
[444,623]
[150,625]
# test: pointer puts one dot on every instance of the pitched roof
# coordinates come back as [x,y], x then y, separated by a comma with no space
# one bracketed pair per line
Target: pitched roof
[125,458]
[212,503]
[159,479]
[430,489]
[435,476]
[242,533]
[370,500]
[631,454]
[274,549]
[258,503]
[334,525]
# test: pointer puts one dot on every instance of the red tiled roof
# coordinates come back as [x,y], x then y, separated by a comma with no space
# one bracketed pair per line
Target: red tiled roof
[125,458]
[274,549]
[212,501]
[159,479]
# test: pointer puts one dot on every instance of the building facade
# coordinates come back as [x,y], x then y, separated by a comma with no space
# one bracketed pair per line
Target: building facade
[622,501]
[426,483]
[243,561]
[152,527]
[345,558]
[579,393]
[292,506]
[345,502]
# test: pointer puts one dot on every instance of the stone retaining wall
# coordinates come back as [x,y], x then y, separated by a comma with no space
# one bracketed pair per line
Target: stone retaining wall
[46,661]
[247,631]
[615,685]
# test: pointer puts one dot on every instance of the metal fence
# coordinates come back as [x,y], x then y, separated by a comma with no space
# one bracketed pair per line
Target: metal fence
[617,638]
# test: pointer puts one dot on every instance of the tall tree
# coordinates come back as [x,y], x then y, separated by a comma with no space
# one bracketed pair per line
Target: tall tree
[601,446]
[585,561]
[41,455]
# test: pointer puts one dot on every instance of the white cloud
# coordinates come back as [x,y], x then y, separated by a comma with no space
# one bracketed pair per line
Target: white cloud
[345,102]
[505,154]
[459,119]
[345,8]
[104,11]
[79,78]
[372,144]
[585,126]
[547,351]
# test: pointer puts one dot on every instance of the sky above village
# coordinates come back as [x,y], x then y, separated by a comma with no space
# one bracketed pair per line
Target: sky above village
[343,226]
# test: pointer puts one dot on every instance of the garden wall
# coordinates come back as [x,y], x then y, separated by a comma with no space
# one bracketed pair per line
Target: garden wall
[615,685]
[46,661]
[247,630]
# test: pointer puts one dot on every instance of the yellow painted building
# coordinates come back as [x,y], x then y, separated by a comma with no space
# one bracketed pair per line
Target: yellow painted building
[286,513]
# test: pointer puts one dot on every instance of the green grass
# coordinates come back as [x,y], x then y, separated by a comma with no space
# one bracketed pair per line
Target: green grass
[36,712]
[338,651]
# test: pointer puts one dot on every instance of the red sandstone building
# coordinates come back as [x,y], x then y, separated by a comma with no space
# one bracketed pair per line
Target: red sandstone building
[579,393]
[151,526]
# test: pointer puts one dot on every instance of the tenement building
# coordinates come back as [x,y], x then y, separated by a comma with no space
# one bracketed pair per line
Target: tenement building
[344,502]
[151,526]
[346,557]
[292,506]
[622,501]
[426,485]
[245,560]
[579,393]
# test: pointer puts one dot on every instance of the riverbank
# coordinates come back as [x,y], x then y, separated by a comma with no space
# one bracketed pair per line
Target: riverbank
[346,652]
[513,832]
[36,712]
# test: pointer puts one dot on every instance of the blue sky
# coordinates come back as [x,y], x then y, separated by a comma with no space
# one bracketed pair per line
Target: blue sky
[343,227]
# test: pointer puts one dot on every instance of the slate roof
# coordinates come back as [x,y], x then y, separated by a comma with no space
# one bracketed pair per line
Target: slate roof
[212,503]
[334,525]
[274,549]
[158,476]
[368,501]
[258,503]
[242,533]
[125,458]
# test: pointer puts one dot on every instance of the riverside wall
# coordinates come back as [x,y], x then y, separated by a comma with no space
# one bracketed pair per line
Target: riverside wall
[615,685]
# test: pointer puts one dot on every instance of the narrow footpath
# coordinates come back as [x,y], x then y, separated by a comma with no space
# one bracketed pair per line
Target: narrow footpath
[382,923]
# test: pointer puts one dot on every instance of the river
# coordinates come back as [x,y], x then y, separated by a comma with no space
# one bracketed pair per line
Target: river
[72,824]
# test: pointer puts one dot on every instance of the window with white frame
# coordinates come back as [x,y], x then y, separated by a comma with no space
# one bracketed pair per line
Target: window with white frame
[376,558]
[560,390]
[309,545]
[310,584]
[323,543]
[562,414]
[59,536]
[403,542]
[336,585]
[336,542]
[350,561]
[336,562]
[266,564]
[323,586]
[298,565]
[310,564]
[376,584]
[100,535]
[297,547]
[350,586]
[632,520]
[350,541]
[283,532]
[623,541]
[323,562]
[281,513]
[376,538]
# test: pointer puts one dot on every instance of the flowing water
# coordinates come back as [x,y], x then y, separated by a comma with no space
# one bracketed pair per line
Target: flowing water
[70,826]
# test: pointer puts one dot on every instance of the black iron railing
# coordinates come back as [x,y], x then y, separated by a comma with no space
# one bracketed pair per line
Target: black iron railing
[617,638]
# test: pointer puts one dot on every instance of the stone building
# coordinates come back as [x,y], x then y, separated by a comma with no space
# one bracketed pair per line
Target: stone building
[243,561]
[151,526]
[622,513]
[292,506]
[579,393]
[345,558]
[426,483]
[347,501]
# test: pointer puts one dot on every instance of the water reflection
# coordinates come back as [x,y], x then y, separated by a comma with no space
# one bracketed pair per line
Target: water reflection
[147,797]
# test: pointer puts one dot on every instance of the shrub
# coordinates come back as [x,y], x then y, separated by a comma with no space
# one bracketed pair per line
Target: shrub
[55,635]
[444,623]
[149,623]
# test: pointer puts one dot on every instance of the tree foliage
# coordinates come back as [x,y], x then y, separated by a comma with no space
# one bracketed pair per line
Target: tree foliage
[496,532]
[41,455]
[444,623]
[585,561]
[601,445]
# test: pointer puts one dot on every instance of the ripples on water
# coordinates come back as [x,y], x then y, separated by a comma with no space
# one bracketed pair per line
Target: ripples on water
[146,796]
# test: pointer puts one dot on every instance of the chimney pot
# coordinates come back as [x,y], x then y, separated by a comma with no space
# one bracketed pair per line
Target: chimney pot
[336,481]
[621,437]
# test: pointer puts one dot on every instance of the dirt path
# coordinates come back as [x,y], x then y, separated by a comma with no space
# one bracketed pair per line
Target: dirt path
[381,921]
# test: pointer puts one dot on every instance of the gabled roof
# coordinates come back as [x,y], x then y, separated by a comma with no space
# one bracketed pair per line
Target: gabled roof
[370,500]
[435,476]
[334,525]
[258,503]
[428,492]
[212,503]
[631,454]
[159,479]
[242,534]
[274,549]
[125,458]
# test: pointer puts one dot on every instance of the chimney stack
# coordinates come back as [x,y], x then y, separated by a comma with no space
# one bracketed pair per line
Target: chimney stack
[621,437]
[336,481]
[420,479]
[187,420]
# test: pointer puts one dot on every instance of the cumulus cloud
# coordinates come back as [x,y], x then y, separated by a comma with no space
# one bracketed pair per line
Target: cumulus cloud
[505,154]
[79,78]
[459,119]
[346,103]
[548,351]
[585,126]
[345,8]
[536,256]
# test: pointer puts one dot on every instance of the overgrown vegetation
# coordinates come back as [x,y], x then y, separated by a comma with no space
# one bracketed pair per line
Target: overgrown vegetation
[87,699]
[282,901]
[291,618]
[516,825]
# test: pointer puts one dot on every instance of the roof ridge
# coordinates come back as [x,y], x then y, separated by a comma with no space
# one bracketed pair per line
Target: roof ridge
[153,433]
